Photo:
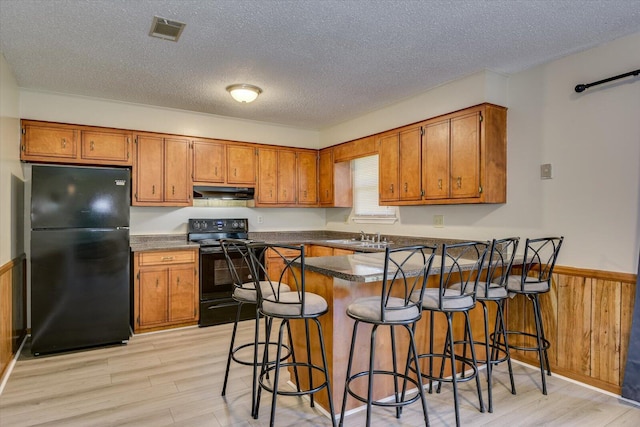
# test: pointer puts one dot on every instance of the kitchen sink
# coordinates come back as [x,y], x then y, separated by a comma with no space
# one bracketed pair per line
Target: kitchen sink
[359,243]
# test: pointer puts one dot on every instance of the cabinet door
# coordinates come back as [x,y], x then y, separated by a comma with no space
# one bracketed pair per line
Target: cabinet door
[177,176]
[106,147]
[307,178]
[435,160]
[241,161]
[325,172]
[409,170]
[49,141]
[182,293]
[389,165]
[153,296]
[317,250]
[209,162]
[286,172]
[267,176]
[149,169]
[465,156]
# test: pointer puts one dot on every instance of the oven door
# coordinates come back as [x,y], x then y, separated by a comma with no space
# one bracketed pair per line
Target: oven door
[216,287]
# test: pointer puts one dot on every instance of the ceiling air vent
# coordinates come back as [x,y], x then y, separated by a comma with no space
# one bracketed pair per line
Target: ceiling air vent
[166,29]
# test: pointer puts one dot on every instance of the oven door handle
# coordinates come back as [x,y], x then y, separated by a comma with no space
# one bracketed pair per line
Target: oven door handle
[228,304]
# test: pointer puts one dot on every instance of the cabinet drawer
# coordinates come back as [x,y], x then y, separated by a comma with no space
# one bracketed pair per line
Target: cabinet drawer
[167,257]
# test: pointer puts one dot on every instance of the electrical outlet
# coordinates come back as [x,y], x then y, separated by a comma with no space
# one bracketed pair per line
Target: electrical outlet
[260,219]
[438,220]
[545,171]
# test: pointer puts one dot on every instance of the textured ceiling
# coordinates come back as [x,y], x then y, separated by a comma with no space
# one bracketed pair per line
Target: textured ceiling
[319,62]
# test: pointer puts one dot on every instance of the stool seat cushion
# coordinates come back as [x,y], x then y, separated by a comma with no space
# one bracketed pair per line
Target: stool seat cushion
[369,308]
[514,284]
[289,305]
[452,299]
[247,293]
[496,292]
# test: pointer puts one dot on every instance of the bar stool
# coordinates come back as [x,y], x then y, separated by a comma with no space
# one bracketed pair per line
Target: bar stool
[540,257]
[494,289]
[245,293]
[460,263]
[399,305]
[287,306]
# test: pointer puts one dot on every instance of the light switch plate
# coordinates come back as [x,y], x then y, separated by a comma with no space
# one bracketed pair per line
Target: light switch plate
[545,171]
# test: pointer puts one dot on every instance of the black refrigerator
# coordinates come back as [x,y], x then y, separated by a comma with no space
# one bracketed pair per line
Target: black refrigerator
[79,257]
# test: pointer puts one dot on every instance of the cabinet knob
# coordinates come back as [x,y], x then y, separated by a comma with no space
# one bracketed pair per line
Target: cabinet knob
[173,190]
[167,258]
[64,143]
[440,184]
[391,188]
[92,145]
[459,182]
[406,187]
[153,189]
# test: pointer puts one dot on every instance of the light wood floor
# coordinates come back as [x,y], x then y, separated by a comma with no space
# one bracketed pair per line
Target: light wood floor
[175,378]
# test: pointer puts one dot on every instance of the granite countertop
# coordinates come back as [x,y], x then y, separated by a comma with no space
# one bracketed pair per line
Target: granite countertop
[159,242]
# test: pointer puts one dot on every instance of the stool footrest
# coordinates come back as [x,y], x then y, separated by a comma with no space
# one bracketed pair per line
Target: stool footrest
[446,358]
[298,392]
[545,343]
[260,352]
[388,401]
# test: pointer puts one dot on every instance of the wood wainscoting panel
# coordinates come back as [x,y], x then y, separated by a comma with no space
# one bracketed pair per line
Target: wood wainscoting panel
[13,314]
[587,318]
[574,325]
[605,338]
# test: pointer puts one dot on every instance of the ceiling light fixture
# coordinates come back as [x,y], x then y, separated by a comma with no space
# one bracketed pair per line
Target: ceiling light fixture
[244,93]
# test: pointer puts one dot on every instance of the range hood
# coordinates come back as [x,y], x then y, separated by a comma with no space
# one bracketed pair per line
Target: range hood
[223,193]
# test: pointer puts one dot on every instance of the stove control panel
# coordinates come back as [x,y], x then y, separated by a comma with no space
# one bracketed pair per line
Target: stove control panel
[226,225]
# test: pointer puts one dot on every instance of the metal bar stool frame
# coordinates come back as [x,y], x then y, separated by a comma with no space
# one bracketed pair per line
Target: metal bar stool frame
[447,300]
[286,306]
[245,293]
[399,305]
[539,260]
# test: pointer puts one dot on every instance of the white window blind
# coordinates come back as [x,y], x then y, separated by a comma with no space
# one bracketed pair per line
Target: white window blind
[365,191]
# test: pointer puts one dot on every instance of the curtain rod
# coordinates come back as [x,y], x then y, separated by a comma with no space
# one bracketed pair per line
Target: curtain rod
[582,87]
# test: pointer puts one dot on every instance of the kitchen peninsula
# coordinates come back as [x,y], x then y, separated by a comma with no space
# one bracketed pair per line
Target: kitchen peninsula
[343,279]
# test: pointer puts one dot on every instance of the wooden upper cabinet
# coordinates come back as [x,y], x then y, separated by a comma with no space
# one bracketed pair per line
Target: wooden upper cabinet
[241,165]
[399,160]
[113,147]
[325,177]
[62,143]
[148,186]
[287,177]
[162,173]
[353,149]
[177,175]
[209,162]
[464,156]
[267,189]
[435,160]
[286,172]
[307,178]
[389,167]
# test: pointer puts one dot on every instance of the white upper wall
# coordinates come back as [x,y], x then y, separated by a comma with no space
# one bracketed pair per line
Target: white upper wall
[480,87]
[591,139]
[56,107]
[11,178]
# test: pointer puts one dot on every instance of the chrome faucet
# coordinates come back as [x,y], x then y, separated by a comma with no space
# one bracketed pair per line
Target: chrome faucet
[378,240]
[363,236]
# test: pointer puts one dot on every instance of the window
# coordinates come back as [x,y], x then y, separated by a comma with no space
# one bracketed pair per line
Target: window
[365,193]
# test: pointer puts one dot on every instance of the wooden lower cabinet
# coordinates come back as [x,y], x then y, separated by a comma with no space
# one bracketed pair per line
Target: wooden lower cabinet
[165,289]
